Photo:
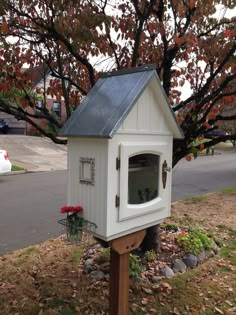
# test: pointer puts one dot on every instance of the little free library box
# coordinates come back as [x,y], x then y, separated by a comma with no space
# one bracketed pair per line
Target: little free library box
[120,153]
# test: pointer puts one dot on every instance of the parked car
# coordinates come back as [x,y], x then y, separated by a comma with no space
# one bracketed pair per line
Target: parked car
[5,164]
[3,126]
[215,133]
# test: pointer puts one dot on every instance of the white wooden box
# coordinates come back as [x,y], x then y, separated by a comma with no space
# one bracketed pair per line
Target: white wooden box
[120,153]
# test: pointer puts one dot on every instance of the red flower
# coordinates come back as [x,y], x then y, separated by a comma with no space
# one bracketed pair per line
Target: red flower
[183,233]
[72,209]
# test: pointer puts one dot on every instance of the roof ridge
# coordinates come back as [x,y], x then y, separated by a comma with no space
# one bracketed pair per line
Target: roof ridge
[143,68]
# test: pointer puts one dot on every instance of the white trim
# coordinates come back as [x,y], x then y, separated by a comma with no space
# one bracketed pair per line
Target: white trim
[141,132]
[127,211]
[128,231]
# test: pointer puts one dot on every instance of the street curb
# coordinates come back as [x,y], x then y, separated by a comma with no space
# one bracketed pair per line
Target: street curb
[15,173]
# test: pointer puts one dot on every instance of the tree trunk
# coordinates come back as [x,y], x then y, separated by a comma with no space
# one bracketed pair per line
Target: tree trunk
[152,239]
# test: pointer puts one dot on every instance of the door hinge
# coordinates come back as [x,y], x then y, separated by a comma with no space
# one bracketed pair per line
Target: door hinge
[117,201]
[117,163]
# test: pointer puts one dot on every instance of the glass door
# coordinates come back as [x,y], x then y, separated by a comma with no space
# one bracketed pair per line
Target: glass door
[143,176]
[141,188]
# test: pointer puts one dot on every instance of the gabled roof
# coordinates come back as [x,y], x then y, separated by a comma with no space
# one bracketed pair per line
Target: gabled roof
[108,103]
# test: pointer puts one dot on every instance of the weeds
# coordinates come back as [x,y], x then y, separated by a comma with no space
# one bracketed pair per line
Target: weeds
[104,257]
[229,190]
[31,250]
[197,199]
[135,266]
[76,255]
[150,255]
[171,227]
[229,251]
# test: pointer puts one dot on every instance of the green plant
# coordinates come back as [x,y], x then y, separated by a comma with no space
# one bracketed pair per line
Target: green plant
[150,255]
[30,250]
[194,241]
[104,256]
[197,199]
[229,190]
[232,232]
[135,265]
[221,226]
[171,227]
[76,255]
[229,251]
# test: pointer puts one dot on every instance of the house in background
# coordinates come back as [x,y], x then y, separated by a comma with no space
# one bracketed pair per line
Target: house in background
[228,126]
[40,76]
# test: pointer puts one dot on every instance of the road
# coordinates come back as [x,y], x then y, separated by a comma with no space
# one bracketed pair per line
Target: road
[205,174]
[30,203]
[29,206]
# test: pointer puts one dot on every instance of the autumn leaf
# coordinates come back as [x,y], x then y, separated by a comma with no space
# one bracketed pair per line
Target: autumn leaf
[4,28]
[227,33]
[178,40]
[191,4]
[201,147]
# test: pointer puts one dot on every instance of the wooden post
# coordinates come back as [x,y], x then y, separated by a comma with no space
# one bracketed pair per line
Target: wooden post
[119,271]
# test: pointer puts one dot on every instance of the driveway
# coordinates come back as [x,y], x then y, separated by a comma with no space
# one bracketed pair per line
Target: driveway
[35,154]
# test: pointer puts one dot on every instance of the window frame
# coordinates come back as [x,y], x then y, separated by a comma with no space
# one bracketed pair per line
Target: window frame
[38,108]
[58,112]
[128,211]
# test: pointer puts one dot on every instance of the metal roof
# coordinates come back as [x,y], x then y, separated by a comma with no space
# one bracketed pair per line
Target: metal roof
[108,103]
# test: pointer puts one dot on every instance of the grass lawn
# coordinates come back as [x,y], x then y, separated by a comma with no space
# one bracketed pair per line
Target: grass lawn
[48,278]
[16,168]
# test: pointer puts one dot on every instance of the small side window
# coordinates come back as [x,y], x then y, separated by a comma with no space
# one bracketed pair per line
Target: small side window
[87,170]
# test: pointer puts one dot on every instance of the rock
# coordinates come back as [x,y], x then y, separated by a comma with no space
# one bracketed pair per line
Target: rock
[190,260]
[88,269]
[139,280]
[88,265]
[156,279]
[216,248]
[88,261]
[97,274]
[97,246]
[167,272]
[107,277]
[147,290]
[209,253]
[179,266]
[201,257]
[90,252]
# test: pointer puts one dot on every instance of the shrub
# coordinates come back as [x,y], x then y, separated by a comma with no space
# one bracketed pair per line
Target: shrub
[194,241]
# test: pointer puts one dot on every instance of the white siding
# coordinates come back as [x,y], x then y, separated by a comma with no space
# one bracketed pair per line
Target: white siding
[146,116]
[91,197]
